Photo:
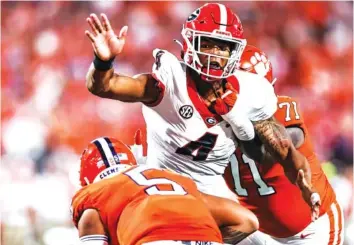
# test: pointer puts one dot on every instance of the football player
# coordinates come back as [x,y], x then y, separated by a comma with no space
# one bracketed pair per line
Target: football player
[261,183]
[186,130]
[120,203]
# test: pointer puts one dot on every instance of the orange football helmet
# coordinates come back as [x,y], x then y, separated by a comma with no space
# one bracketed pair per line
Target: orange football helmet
[103,158]
[256,61]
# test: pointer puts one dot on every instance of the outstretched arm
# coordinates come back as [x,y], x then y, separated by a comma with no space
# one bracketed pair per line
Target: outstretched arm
[101,79]
[252,114]
[107,84]
[280,145]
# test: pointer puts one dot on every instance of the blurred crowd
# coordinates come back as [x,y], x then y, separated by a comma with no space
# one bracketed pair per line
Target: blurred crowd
[48,116]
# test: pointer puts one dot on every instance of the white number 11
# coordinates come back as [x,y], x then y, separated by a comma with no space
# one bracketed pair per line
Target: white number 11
[263,188]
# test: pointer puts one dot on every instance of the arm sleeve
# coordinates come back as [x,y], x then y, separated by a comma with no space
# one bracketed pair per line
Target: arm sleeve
[257,97]
[162,73]
[79,204]
[256,101]
[288,112]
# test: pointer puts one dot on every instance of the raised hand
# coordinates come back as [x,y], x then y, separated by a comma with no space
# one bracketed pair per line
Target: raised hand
[104,41]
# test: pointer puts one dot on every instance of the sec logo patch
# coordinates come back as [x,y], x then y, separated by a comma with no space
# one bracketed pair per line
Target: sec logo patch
[186,111]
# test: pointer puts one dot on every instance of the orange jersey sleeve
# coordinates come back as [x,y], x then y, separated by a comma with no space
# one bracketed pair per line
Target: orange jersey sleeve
[288,112]
[78,206]
[289,115]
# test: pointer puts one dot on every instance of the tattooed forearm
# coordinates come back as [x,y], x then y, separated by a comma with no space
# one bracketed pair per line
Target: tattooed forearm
[274,137]
[232,236]
[278,143]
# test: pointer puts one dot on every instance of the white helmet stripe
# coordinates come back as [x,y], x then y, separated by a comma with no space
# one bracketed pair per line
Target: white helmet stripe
[223,17]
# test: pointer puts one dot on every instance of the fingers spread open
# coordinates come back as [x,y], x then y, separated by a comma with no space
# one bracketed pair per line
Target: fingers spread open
[92,25]
[123,32]
[96,22]
[92,38]
[105,22]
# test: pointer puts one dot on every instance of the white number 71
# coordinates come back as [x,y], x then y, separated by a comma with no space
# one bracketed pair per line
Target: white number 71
[288,106]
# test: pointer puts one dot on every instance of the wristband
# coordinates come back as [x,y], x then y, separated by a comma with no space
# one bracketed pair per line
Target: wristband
[102,65]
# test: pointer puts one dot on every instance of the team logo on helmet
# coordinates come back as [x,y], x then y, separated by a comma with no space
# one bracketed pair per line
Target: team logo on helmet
[100,164]
[194,15]
[186,111]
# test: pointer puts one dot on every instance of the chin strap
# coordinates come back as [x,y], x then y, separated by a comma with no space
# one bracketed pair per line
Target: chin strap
[178,42]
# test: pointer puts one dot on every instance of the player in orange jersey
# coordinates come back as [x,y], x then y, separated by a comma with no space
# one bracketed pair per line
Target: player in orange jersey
[125,204]
[262,186]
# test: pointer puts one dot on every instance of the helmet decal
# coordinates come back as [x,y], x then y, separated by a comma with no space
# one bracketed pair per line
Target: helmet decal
[194,15]
[256,61]
[108,154]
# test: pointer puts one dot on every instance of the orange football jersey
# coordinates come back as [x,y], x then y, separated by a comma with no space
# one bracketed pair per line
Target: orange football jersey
[145,204]
[265,190]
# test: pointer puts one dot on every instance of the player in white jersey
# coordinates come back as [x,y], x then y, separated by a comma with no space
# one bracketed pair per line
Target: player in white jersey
[185,132]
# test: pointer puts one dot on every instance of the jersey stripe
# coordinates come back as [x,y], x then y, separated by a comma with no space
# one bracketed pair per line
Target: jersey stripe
[340,224]
[331,226]
[223,17]
[335,218]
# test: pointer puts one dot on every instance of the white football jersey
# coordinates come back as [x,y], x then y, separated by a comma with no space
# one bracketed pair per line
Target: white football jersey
[182,134]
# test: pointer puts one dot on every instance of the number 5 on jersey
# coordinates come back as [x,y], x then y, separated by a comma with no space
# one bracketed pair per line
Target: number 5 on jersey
[137,175]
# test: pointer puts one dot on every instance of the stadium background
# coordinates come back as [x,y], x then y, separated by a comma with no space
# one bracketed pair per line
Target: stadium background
[48,116]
